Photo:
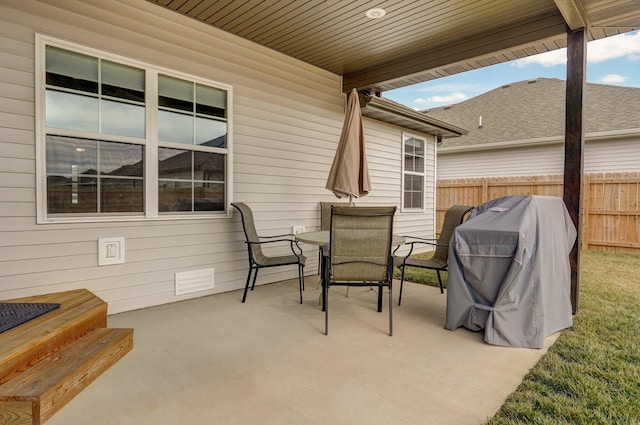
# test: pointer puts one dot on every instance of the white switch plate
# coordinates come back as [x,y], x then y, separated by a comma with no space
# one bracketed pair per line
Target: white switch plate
[110,251]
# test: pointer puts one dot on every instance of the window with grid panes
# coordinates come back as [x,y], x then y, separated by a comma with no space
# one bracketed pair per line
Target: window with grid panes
[98,138]
[413,171]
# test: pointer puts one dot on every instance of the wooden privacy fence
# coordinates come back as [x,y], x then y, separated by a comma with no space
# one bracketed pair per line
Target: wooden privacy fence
[610,203]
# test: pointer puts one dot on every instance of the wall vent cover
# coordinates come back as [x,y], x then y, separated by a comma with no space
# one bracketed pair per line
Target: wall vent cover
[194,281]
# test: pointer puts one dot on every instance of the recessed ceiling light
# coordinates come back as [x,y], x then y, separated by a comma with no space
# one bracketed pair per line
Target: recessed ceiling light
[376,13]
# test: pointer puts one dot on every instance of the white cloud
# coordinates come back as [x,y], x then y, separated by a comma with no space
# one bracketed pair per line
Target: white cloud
[623,45]
[613,79]
[450,87]
[428,102]
[548,59]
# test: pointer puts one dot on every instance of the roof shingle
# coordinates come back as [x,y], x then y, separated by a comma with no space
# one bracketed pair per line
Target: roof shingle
[534,109]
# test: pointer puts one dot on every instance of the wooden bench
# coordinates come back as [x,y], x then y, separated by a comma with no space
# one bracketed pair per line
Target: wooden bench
[47,361]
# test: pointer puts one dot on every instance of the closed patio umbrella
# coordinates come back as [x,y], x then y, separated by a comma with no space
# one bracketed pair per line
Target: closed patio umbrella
[349,175]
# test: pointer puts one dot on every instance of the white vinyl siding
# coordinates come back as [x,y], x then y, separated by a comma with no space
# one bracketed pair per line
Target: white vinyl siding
[384,154]
[538,160]
[600,156]
[612,156]
[287,121]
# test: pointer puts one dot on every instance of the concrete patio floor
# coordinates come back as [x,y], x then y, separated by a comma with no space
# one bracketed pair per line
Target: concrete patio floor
[214,360]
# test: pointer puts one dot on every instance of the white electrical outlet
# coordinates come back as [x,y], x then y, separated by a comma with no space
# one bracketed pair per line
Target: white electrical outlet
[297,229]
[110,251]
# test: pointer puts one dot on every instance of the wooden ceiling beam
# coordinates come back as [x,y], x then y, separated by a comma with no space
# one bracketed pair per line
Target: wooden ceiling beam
[573,13]
[429,59]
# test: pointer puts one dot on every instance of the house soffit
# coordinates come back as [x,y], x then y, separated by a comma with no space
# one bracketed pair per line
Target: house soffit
[415,41]
[391,112]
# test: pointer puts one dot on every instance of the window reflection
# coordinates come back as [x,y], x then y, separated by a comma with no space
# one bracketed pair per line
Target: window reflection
[121,195]
[413,172]
[72,111]
[121,159]
[191,181]
[65,152]
[122,119]
[94,95]
[91,96]
[208,197]
[71,70]
[414,155]
[121,81]
[413,191]
[417,200]
[89,176]
[175,164]
[175,196]
[211,133]
[208,166]
[175,127]
[211,101]
[67,196]
[191,113]
[174,93]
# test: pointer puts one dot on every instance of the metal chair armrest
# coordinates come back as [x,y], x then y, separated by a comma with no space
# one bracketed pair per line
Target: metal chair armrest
[286,235]
[292,241]
[410,239]
[291,238]
[414,240]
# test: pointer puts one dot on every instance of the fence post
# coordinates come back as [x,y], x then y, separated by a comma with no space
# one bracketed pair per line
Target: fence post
[485,190]
[586,211]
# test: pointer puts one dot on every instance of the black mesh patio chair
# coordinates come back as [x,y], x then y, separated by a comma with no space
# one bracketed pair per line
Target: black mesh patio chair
[325,224]
[438,262]
[325,212]
[360,252]
[257,259]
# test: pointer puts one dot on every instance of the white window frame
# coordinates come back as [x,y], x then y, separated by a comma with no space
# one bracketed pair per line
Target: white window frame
[150,142]
[405,136]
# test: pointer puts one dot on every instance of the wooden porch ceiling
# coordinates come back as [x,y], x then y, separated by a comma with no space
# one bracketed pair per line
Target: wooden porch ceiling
[416,40]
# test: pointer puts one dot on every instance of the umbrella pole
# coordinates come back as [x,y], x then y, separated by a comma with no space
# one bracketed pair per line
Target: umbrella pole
[350,204]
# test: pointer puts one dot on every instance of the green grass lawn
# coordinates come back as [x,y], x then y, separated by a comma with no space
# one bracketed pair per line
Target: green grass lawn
[591,374]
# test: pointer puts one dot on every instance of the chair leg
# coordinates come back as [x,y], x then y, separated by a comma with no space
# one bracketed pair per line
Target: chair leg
[321,267]
[301,280]
[325,292]
[246,286]
[390,310]
[253,285]
[401,285]
[440,280]
[325,278]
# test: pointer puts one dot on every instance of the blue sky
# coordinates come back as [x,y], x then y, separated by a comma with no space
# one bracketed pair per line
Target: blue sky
[612,60]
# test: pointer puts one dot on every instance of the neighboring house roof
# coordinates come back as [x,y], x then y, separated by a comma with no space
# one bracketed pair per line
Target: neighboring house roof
[533,111]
